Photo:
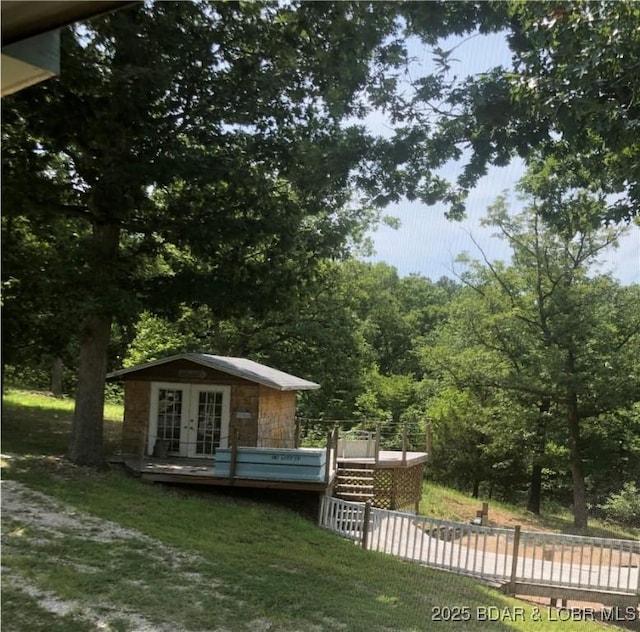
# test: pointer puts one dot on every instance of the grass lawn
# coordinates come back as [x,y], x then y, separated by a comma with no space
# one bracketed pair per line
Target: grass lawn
[38,423]
[447,503]
[86,550]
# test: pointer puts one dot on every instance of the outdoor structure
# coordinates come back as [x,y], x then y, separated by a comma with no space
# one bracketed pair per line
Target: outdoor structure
[203,419]
[555,566]
[189,405]
[388,479]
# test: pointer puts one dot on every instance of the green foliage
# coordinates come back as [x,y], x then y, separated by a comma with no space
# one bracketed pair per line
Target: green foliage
[623,506]
[573,80]
[540,347]
[568,105]
[612,451]
[342,325]
[156,338]
[201,187]
[29,377]
[40,295]
[190,154]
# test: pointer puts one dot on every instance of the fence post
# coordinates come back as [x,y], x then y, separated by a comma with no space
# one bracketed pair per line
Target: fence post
[428,437]
[234,453]
[485,514]
[365,526]
[377,446]
[404,443]
[327,466]
[514,560]
[321,511]
[296,440]
[143,448]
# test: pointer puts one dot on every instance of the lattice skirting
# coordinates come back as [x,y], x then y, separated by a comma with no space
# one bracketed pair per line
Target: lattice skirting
[399,488]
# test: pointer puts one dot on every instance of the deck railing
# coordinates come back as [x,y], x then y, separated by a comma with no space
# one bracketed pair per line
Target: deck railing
[501,555]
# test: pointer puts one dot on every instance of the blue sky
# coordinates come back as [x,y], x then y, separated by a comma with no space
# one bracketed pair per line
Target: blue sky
[426,243]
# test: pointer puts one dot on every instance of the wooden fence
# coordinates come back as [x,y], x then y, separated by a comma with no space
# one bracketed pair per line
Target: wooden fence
[511,557]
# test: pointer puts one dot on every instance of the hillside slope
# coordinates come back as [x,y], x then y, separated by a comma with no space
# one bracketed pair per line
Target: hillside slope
[86,550]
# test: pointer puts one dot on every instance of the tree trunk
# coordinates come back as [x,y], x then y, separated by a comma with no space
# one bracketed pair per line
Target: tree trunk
[57,369]
[535,489]
[579,493]
[86,445]
[535,485]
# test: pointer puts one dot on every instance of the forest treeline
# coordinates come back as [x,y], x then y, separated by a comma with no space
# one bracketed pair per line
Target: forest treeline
[523,370]
[200,177]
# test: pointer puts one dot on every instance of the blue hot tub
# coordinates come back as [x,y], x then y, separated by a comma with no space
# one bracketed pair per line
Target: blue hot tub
[280,464]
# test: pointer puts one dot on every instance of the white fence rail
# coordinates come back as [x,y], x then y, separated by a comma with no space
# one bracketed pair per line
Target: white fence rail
[503,555]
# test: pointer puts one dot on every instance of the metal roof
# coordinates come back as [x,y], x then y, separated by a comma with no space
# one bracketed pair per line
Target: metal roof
[239,367]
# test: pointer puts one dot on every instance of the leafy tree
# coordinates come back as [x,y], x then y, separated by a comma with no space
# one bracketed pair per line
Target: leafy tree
[316,335]
[40,277]
[396,314]
[546,330]
[624,506]
[337,330]
[472,448]
[568,104]
[203,154]
[612,452]
[199,145]
[488,422]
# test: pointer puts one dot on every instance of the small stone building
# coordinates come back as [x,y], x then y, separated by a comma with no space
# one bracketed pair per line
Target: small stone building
[189,404]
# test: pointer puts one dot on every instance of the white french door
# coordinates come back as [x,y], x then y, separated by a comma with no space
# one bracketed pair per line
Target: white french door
[192,418]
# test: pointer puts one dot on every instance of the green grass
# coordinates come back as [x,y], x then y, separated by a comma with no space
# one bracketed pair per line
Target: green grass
[36,423]
[204,561]
[23,612]
[444,502]
[49,403]
[254,563]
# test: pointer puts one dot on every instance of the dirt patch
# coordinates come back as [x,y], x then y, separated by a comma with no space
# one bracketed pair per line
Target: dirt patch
[36,518]
[37,510]
[51,603]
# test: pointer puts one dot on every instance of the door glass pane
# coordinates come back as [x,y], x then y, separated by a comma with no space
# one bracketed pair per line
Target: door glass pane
[209,422]
[170,417]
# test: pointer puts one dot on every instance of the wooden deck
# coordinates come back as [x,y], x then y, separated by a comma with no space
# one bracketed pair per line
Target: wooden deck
[387,459]
[202,472]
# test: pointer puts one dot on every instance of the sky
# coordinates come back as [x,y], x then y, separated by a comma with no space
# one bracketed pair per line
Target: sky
[426,243]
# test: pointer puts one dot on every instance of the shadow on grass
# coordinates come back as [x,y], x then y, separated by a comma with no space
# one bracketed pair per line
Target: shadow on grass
[39,428]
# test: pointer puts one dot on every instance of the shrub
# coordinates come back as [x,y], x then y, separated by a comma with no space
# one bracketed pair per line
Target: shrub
[623,506]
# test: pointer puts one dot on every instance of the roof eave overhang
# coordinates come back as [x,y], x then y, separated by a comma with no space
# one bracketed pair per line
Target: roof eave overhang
[309,386]
[23,19]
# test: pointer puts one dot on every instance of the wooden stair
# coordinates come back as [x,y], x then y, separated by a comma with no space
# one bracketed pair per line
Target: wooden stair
[354,484]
